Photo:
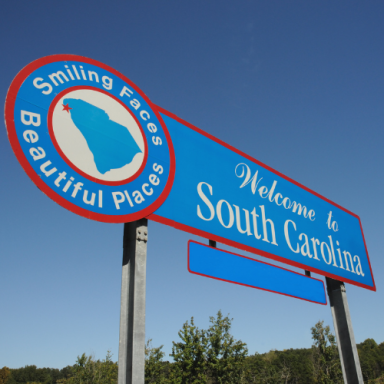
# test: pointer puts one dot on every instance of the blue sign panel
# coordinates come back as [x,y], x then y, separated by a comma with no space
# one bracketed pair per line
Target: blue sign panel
[92,141]
[224,195]
[226,266]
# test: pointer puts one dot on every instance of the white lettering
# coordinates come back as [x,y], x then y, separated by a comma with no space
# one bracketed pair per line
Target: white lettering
[152,127]
[69,182]
[128,198]
[58,76]
[359,270]
[85,198]
[263,192]
[305,247]
[265,221]
[107,83]
[245,171]
[44,166]
[156,140]
[61,177]
[345,253]
[286,234]
[77,187]
[93,74]
[206,201]
[126,91]
[138,197]
[135,103]
[285,200]
[254,221]
[277,198]
[30,136]
[146,114]
[270,194]
[329,261]
[340,258]
[158,168]
[43,85]
[333,251]
[82,72]
[219,216]
[144,188]
[37,153]
[118,198]
[154,179]
[314,243]
[69,72]
[298,207]
[76,73]
[33,118]
[238,221]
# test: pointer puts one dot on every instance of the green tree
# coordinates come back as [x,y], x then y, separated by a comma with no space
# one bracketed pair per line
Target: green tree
[327,367]
[211,355]
[155,368]
[225,355]
[261,368]
[190,356]
[371,360]
[32,374]
[4,375]
[87,370]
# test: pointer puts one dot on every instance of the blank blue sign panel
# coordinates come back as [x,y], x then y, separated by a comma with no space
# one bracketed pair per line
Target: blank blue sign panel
[226,266]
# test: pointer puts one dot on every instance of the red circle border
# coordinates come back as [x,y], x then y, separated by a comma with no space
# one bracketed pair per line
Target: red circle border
[13,139]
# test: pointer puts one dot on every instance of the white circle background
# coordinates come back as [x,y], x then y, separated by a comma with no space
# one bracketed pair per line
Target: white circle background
[75,147]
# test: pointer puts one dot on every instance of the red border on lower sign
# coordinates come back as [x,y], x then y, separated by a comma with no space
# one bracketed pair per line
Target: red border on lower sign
[253,286]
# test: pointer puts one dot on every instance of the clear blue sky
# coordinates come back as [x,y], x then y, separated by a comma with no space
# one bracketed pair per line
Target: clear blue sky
[298,85]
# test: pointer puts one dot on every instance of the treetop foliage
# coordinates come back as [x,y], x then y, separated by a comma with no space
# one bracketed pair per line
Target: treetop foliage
[326,361]
[4,375]
[213,356]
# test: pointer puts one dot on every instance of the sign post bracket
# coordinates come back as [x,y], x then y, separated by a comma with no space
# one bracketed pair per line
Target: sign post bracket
[212,243]
[132,310]
[342,322]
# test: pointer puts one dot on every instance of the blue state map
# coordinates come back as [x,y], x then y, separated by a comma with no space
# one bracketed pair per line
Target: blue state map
[111,144]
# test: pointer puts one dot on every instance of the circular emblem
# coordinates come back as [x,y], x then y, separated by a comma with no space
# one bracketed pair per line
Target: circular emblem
[89,138]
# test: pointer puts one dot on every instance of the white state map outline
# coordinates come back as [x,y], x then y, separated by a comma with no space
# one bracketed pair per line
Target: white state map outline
[74,146]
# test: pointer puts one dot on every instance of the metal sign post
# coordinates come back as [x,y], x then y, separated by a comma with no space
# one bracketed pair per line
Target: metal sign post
[132,310]
[342,322]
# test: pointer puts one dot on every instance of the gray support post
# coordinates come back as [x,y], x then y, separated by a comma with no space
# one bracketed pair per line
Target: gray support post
[349,357]
[132,309]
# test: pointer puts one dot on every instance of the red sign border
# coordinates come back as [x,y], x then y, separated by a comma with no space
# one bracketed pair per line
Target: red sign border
[252,286]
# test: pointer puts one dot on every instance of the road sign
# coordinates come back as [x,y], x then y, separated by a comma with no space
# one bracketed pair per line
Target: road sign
[227,196]
[89,138]
[226,266]
[93,142]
